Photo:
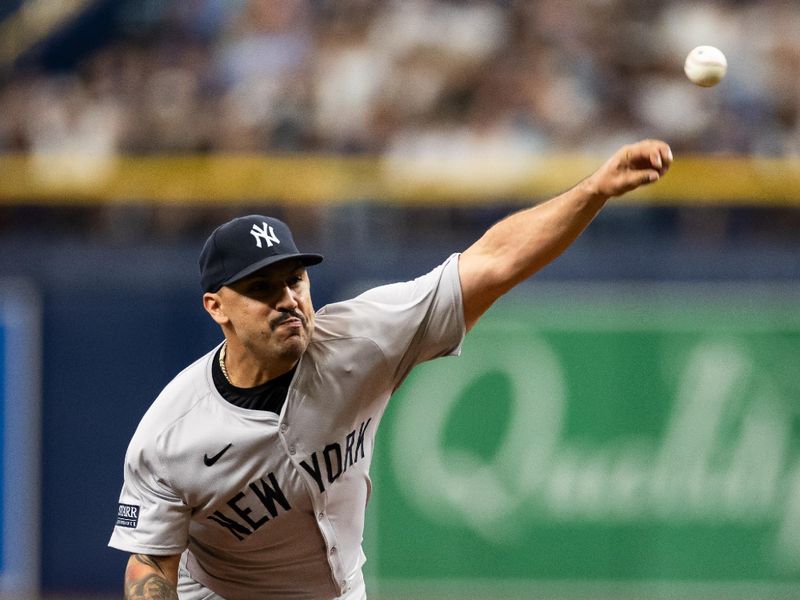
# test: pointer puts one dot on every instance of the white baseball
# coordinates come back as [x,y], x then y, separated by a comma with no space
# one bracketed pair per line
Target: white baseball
[705,66]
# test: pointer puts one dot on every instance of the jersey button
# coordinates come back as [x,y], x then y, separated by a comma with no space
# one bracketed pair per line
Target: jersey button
[321,516]
[333,550]
[284,427]
[291,450]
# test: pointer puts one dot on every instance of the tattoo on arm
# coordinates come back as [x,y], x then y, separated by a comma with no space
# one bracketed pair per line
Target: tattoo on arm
[149,561]
[152,584]
[150,587]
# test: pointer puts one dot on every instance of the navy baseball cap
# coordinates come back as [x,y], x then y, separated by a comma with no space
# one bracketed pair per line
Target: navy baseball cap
[245,245]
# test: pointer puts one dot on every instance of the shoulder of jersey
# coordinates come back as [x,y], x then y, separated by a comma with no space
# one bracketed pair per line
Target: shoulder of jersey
[178,397]
[341,320]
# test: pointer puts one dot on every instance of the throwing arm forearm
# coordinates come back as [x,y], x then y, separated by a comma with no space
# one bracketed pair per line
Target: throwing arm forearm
[524,242]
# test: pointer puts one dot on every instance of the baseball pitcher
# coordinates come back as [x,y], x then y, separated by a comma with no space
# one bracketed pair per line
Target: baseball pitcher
[248,477]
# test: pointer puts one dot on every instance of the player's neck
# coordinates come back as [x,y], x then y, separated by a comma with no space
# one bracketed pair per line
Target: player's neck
[243,370]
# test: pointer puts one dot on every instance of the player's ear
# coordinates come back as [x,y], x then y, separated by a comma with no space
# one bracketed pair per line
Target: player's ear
[213,305]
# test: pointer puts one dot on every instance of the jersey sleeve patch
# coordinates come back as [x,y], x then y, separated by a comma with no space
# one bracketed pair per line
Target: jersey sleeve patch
[127,515]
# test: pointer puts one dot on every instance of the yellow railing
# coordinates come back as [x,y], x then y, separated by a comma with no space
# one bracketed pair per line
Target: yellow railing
[320,179]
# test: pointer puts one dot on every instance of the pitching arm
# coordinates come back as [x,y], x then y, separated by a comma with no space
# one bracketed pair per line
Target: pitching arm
[152,577]
[518,246]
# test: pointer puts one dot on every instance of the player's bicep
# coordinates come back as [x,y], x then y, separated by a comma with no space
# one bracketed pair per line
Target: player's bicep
[481,284]
[150,577]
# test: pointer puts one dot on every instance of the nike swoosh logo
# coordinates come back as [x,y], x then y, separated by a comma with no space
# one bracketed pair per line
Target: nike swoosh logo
[210,460]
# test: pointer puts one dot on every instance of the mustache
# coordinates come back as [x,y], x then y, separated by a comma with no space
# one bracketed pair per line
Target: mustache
[285,316]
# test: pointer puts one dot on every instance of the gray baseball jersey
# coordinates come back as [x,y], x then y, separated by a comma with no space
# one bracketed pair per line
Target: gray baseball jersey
[272,506]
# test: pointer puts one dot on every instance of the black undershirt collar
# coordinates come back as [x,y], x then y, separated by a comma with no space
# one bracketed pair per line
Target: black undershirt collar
[269,396]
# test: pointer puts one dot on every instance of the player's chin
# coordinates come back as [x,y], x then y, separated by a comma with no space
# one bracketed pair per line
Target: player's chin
[295,344]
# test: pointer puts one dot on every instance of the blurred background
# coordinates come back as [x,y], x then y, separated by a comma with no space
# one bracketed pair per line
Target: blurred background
[389,134]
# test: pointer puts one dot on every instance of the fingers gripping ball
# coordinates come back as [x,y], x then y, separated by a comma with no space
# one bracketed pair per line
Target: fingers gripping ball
[705,66]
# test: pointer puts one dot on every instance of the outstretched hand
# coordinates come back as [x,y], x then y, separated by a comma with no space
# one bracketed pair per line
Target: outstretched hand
[631,166]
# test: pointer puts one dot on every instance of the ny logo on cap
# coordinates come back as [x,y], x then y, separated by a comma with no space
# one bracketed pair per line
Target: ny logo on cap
[266,233]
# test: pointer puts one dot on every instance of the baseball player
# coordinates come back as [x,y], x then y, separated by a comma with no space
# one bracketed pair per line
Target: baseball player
[248,477]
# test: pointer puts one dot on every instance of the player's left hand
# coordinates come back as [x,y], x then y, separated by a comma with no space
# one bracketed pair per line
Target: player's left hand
[631,166]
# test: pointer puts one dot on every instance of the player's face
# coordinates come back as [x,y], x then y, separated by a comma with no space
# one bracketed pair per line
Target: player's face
[271,311]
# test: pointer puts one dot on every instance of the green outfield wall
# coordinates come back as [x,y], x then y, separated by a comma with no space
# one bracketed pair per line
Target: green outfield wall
[641,440]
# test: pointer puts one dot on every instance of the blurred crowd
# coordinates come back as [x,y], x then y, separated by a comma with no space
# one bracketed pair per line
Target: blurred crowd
[416,78]
[406,75]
